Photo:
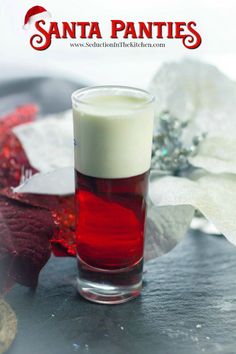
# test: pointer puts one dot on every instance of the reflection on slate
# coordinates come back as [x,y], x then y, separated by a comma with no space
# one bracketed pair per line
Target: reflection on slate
[188,306]
[51,94]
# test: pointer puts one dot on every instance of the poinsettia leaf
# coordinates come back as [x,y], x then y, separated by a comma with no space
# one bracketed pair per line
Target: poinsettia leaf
[58,182]
[48,202]
[25,233]
[62,209]
[48,143]
[216,155]
[166,226]
[214,195]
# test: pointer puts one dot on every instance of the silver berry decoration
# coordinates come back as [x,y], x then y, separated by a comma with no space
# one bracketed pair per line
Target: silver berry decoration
[169,153]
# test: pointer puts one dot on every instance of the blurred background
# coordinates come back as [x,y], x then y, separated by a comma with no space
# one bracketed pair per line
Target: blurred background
[215,22]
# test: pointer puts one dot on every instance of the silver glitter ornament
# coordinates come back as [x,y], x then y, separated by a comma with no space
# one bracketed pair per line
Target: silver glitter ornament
[169,154]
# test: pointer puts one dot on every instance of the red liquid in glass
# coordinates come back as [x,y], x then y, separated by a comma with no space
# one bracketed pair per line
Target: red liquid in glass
[110,220]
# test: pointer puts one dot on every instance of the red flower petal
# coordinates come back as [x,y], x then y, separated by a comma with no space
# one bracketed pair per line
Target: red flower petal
[25,233]
[63,214]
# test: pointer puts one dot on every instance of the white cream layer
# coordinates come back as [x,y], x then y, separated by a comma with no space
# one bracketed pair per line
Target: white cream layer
[113,136]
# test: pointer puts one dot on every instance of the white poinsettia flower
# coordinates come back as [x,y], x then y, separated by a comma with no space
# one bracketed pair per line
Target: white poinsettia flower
[199,93]
[202,95]
[192,91]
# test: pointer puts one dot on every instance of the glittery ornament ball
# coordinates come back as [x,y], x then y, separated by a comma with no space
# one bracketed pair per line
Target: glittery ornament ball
[13,159]
[63,241]
[23,114]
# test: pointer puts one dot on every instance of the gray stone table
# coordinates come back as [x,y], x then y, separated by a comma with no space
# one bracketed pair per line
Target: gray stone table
[188,306]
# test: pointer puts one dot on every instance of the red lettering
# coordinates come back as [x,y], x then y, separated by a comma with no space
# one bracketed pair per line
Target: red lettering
[130,30]
[116,26]
[83,26]
[169,29]
[179,28]
[69,29]
[145,29]
[159,26]
[54,30]
[38,39]
[186,31]
[94,30]
[192,41]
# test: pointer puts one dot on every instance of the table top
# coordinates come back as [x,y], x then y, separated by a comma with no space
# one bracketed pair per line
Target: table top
[188,305]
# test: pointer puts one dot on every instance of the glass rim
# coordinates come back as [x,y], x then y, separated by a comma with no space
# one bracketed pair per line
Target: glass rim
[76,95]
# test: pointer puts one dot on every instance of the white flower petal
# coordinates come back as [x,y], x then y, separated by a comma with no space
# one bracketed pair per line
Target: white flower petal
[216,155]
[213,195]
[166,227]
[59,182]
[198,92]
[48,143]
[204,225]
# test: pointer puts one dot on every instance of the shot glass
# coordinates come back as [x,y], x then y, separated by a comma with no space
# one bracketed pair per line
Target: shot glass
[113,128]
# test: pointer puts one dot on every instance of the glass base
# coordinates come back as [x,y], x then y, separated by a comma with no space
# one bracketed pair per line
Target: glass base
[109,286]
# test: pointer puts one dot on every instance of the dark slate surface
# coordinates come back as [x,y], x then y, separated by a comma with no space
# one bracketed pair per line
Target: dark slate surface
[188,306]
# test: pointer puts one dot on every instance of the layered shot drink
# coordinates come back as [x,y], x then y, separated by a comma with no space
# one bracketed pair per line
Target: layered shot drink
[113,129]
